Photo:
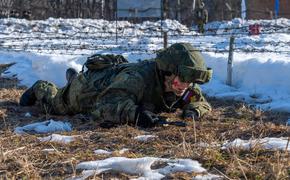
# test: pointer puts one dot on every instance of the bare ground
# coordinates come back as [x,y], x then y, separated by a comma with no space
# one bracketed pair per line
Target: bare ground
[22,157]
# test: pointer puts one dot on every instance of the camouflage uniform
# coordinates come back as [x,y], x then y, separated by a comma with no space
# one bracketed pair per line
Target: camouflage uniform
[201,17]
[113,94]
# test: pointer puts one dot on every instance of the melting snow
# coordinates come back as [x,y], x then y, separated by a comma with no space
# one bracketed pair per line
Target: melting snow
[58,138]
[102,151]
[145,138]
[267,143]
[49,126]
[27,114]
[49,150]
[141,167]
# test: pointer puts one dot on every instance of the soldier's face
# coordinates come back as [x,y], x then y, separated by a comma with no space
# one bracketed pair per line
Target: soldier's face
[178,86]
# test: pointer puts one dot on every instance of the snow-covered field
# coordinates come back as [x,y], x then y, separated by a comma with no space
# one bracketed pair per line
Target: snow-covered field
[44,49]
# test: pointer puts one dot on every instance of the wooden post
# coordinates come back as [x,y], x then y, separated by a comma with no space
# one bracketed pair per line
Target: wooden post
[116,21]
[178,11]
[193,5]
[165,9]
[165,40]
[164,16]
[230,61]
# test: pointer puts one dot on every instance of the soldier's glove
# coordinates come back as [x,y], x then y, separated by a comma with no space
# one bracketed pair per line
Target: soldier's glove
[146,118]
[192,114]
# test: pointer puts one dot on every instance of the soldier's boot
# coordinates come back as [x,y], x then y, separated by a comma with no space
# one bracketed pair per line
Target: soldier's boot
[28,98]
[71,73]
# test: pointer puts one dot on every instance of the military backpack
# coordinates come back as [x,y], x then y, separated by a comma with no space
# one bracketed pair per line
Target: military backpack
[101,61]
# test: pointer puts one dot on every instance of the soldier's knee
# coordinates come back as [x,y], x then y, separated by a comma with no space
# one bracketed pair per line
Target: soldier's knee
[43,84]
[40,83]
[44,89]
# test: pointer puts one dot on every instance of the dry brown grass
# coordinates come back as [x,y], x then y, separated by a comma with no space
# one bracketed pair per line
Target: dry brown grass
[21,157]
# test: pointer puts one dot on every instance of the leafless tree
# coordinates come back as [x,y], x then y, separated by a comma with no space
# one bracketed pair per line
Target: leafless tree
[7,7]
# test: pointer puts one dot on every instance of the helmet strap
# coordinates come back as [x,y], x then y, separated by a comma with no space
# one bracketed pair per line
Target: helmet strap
[168,81]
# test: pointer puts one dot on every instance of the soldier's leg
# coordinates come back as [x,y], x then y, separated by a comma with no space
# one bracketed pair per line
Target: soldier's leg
[202,28]
[42,91]
[56,100]
[199,28]
[71,74]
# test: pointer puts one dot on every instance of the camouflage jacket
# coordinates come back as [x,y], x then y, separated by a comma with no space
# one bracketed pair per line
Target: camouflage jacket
[201,16]
[113,94]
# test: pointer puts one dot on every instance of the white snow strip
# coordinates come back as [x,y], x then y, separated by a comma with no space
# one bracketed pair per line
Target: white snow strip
[58,138]
[49,126]
[207,177]
[101,151]
[49,150]
[140,167]
[145,138]
[27,114]
[243,9]
[266,143]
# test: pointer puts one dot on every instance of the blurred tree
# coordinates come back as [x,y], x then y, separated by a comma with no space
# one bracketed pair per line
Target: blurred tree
[6,7]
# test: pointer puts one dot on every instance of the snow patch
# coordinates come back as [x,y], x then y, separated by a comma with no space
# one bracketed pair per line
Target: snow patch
[58,138]
[145,138]
[49,126]
[102,151]
[49,150]
[140,167]
[27,114]
[266,143]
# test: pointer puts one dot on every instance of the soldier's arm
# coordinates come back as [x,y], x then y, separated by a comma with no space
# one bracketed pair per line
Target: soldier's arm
[197,103]
[118,103]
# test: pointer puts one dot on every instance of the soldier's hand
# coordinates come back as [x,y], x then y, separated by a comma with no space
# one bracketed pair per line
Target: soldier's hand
[146,118]
[193,115]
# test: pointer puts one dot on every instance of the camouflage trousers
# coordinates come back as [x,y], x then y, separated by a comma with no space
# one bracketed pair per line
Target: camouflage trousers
[79,97]
[201,28]
[66,100]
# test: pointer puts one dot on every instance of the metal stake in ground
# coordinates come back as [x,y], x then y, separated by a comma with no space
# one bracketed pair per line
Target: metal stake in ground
[230,61]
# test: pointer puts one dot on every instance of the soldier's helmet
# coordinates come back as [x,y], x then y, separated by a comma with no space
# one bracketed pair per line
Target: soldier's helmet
[184,61]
